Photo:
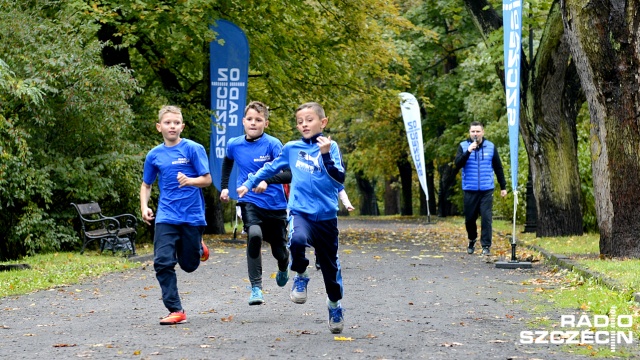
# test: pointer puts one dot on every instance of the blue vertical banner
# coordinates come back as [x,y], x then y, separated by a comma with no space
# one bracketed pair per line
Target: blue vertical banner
[229,71]
[512,25]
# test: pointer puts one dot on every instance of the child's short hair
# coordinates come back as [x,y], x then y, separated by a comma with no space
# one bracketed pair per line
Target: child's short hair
[317,108]
[169,109]
[259,107]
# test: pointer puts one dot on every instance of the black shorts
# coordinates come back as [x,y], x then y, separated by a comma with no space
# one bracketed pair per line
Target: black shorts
[255,215]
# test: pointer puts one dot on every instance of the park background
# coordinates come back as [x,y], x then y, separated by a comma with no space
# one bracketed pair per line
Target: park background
[81,83]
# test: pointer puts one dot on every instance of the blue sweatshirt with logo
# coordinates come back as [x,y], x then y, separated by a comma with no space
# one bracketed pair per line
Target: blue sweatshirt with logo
[316,178]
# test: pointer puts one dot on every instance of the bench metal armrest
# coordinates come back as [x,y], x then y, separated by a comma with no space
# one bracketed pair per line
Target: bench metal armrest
[127,220]
[111,224]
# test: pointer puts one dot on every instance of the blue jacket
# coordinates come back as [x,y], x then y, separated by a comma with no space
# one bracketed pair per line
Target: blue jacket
[316,178]
[479,166]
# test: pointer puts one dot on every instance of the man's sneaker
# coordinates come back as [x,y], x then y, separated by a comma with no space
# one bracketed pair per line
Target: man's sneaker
[256,296]
[336,319]
[178,317]
[486,251]
[205,252]
[282,277]
[317,263]
[299,290]
[471,247]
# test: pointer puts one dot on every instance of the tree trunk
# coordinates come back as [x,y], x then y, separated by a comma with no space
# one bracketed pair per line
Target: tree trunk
[368,200]
[549,132]
[391,197]
[447,180]
[214,212]
[112,55]
[551,98]
[431,203]
[423,203]
[406,179]
[604,43]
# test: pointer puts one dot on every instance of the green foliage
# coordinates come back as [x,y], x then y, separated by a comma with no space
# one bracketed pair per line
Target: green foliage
[74,130]
[340,54]
[62,118]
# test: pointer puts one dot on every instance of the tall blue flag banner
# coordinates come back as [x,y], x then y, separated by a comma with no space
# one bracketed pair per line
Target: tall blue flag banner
[512,25]
[229,59]
[413,126]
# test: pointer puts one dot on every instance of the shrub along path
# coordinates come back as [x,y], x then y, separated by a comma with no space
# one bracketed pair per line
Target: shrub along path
[410,293]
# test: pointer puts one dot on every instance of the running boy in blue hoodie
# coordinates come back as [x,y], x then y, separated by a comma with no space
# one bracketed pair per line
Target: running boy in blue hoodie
[317,176]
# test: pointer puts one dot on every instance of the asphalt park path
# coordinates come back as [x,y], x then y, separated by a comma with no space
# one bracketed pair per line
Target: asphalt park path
[406,297]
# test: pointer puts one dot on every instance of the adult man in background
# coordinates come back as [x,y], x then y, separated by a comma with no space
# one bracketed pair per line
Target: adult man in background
[479,160]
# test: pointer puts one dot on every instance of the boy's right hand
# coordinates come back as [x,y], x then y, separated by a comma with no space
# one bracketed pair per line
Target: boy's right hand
[147,216]
[224,195]
[242,190]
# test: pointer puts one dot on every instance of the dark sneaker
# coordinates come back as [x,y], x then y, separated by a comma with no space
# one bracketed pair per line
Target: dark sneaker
[282,277]
[178,317]
[205,252]
[256,296]
[336,319]
[317,265]
[299,290]
[471,247]
[486,251]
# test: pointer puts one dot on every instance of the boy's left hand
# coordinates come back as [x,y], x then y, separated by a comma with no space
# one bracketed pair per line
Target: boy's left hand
[324,143]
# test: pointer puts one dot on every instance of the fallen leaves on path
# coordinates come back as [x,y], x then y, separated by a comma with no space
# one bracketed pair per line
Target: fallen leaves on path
[64,345]
[451,344]
[342,338]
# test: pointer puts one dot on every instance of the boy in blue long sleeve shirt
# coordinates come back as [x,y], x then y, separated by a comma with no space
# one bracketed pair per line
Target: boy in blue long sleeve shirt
[317,176]
[264,211]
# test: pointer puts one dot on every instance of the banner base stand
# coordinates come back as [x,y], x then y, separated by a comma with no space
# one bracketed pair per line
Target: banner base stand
[235,239]
[514,265]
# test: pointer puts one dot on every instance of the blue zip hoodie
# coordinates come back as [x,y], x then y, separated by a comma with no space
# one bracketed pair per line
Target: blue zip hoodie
[316,178]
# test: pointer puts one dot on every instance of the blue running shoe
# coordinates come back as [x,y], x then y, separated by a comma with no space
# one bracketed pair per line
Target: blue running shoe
[336,319]
[299,290]
[282,277]
[256,296]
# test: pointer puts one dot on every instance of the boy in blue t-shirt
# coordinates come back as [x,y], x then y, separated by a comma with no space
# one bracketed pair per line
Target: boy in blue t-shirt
[182,169]
[264,211]
[317,176]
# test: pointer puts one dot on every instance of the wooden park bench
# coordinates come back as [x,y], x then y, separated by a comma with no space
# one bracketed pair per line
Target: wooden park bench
[114,232]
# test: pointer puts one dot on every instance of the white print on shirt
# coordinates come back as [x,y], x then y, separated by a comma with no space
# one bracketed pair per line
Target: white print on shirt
[263,158]
[308,163]
[180,161]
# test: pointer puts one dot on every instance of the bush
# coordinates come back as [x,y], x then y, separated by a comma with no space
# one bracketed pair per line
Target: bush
[63,122]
